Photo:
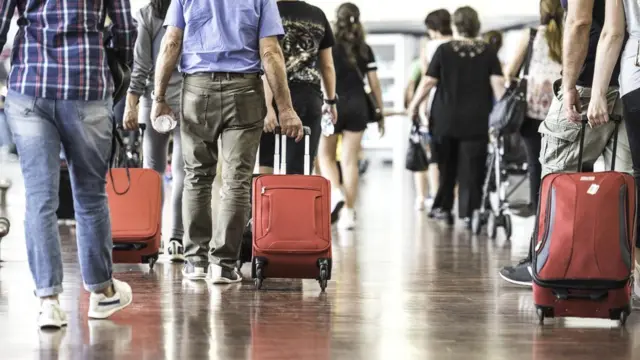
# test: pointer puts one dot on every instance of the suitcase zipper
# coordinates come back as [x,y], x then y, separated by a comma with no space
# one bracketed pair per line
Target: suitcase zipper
[264,189]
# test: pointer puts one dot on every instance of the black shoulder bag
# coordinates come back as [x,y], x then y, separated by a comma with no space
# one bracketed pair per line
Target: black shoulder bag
[509,112]
[375,113]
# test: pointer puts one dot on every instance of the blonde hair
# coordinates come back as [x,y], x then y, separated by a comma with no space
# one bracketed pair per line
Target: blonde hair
[551,14]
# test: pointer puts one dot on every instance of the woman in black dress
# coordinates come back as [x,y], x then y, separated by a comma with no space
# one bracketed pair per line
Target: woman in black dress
[353,60]
[468,76]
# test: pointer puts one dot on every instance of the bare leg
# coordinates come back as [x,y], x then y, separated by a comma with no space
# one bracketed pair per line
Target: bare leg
[327,159]
[351,146]
[421,183]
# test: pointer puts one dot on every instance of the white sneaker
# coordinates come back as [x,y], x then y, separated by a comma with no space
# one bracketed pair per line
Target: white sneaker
[347,219]
[337,202]
[175,251]
[420,204]
[51,315]
[101,306]
[222,275]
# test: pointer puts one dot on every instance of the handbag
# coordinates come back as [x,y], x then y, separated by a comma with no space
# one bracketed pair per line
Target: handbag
[417,159]
[119,69]
[375,113]
[509,112]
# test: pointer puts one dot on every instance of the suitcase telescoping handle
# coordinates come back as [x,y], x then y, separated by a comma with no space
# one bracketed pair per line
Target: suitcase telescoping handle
[585,120]
[280,160]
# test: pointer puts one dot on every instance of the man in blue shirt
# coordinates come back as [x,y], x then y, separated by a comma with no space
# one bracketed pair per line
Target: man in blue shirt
[224,44]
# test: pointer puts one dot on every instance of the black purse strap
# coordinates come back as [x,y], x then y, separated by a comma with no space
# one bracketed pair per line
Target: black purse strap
[118,156]
[527,60]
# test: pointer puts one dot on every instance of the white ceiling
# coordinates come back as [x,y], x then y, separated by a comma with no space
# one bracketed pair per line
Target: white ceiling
[385,10]
[494,13]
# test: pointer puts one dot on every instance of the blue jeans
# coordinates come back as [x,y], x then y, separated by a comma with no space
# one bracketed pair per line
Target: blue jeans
[5,134]
[84,128]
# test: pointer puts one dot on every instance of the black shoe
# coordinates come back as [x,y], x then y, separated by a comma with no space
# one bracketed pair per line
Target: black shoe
[434,213]
[446,216]
[520,274]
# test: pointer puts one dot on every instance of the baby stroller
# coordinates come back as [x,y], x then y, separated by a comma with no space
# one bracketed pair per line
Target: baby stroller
[506,158]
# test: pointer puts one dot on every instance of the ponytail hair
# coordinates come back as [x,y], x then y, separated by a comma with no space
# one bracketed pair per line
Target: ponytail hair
[551,14]
[553,35]
[349,32]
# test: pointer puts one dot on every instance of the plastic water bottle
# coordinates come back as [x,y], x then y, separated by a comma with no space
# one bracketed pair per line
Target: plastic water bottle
[327,124]
[164,123]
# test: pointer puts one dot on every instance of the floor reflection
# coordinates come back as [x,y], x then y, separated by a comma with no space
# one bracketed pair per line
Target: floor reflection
[404,287]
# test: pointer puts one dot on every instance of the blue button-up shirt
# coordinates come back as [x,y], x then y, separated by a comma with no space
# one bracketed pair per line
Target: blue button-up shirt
[223,35]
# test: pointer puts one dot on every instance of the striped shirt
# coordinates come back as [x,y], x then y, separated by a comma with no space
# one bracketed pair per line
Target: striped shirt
[58,52]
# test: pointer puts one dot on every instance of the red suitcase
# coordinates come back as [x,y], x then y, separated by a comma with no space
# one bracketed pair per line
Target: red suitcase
[583,255]
[135,204]
[291,223]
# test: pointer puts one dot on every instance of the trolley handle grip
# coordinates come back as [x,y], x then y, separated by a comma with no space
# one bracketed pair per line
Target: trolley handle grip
[280,159]
[584,120]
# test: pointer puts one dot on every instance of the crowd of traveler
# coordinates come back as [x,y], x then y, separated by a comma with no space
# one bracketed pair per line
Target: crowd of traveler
[231,77]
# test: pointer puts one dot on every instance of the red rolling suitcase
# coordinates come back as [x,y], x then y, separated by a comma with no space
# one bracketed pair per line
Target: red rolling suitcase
[583,255]
[291,222]
[135,204]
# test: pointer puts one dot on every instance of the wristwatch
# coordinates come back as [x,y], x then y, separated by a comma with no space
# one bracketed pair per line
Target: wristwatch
[332,101]
[157,98]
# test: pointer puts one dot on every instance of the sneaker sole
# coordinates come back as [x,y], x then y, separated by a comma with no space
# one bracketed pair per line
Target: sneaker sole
[176,258]
[195,277]
[52,326]
[224,281]
[520,283]
[336,211]
[104,315]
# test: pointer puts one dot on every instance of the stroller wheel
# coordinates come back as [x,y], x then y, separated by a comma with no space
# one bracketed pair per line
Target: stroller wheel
[507,226]
[492,225]
[476,222]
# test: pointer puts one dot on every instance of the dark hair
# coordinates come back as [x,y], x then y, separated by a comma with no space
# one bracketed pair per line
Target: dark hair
[160,8]
[349,32]
[440,21]
[494,39]
[466,21]
[551,16]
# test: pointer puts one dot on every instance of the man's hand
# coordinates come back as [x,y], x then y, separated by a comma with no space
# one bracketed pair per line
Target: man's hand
[572,105]
[160,108]
[130,121]
[598,111]
[331,109]
[291,125]
[270,121]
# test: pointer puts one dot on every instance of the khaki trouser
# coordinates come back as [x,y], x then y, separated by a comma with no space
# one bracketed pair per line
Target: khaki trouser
[231,109]
[561,138]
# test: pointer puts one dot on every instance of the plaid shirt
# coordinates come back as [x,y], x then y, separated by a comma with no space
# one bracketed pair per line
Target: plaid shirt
[59,53]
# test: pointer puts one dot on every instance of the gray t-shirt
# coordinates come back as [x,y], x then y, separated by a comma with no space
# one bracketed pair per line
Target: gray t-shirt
[629,72]
[150,34]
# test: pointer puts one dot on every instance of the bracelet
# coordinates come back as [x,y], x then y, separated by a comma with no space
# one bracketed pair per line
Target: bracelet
[333,101]
[157,98]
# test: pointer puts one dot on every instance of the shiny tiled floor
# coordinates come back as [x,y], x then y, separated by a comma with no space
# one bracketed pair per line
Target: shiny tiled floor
[404,287]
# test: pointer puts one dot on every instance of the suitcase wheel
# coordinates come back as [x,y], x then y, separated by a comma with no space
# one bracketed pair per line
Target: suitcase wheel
[151,260]
[324,273]
[258,271]
[540,314]
[623,318]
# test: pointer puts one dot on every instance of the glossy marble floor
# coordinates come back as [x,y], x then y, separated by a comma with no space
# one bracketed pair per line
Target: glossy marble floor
[404,287]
